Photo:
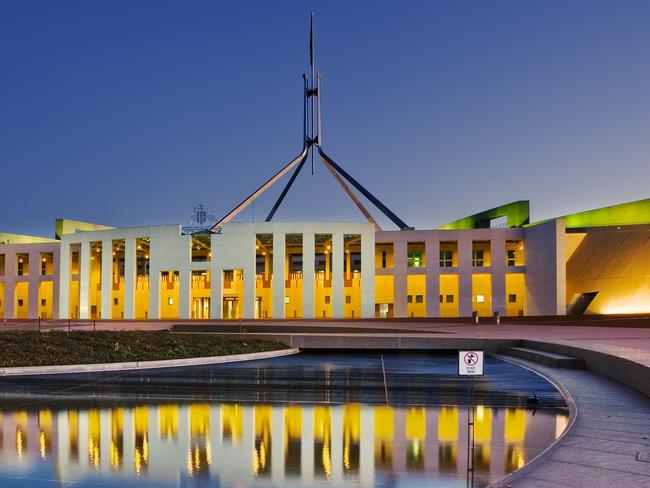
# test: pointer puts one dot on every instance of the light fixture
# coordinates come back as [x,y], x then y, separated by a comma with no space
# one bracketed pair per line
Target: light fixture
[44,260]
[146,256]
[329,247]
[139,246]
[20,260]
[114,253]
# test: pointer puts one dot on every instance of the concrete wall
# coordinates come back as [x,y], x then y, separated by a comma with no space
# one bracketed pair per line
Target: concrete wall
[545,269]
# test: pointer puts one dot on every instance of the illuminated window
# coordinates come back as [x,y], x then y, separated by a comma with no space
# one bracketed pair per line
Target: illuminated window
[415,260]
[170,301]
[477,258]
[446,259]
[510,257]
[480,298]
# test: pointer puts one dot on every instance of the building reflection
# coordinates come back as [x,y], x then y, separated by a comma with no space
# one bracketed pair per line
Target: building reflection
[350,444]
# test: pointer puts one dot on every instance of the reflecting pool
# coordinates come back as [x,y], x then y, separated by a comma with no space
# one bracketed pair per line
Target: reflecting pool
[84,431]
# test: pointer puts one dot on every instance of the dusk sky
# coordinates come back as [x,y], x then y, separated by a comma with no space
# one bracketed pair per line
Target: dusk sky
[130,113]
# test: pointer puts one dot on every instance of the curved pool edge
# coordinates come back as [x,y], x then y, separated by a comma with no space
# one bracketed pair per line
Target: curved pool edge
[542,456]
[139,365]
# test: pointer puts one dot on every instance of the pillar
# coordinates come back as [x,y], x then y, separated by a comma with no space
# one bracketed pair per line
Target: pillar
[84,280]
[33,305]
[129,278]
[498,274]
[64,281]
[400,267]
[184,293]
[367,276]
[465,307]
[432,272]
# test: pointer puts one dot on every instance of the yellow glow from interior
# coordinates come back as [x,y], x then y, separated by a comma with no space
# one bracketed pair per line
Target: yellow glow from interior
[483,424]
[384,423]
[199,419]
[448,424]
[231,422]
[416,426]
[292,422]
[168,421]
[515,425]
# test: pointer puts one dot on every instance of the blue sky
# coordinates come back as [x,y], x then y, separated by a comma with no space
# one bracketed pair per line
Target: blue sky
[130,113]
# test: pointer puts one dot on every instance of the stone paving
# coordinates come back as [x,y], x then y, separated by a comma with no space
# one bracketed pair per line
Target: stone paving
[611,432]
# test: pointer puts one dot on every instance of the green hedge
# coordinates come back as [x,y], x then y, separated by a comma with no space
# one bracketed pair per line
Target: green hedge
[52,348]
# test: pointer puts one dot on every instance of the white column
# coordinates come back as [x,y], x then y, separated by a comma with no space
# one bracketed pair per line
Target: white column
[498,272]
[465,291]
[184,293]
[216,292]
[279,252]
[84,280]
[64,281]
[107,278]
[400,272]
[33,305]
[154,292]
[337,276]
[432,258]
[337,439]
[249,278]
[129,278]
[367,446]
[367,275]
[308,271]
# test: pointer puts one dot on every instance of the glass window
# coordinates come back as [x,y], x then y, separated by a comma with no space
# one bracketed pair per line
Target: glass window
[446,259]
[415,260]
[512,298]
[510,257]
[477,258]
[348,298]
[409,299]
[419,298]
[450,299]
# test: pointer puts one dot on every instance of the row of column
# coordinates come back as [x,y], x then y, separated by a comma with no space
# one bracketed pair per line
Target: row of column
[432,272]
[308,273]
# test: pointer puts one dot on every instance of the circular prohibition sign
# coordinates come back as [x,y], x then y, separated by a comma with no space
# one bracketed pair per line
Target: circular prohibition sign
[470,358]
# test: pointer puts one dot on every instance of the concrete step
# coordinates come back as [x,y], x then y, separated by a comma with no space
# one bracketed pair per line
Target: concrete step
[546,358]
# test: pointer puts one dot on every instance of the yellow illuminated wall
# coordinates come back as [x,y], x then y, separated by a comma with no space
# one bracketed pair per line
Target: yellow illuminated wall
[169,292]
[21,300]
[200,295]
[515,294]
[384,296]
[264,289]
[142,297]
[416,289]
[45,299]
[482,294]
[449,293]
[95,283]
[233,294]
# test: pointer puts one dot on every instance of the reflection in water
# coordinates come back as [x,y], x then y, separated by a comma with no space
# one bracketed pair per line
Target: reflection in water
[353,444]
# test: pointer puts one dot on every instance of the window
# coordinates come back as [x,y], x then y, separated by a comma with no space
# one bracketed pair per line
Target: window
[446,259]
[43,267]
[20,267]
[383,259]
[296,263]
[409,299]
[477,258]
[20,302]
[327,299]
[260,263]
[43,302]
[170,301]
[510,257]
[512,298]
[115,301]
[419,298]
[441,298]
[450,299]
[348,298]
[480,298]
[414,259]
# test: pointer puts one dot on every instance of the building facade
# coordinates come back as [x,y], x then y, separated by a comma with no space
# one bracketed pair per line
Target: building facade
[322,270]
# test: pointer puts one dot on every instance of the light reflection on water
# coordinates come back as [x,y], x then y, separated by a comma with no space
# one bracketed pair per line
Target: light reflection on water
[228,444]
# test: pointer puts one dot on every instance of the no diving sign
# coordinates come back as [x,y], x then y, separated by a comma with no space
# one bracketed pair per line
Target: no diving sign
[470,363]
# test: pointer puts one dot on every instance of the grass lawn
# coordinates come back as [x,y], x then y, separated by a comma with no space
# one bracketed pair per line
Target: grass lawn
[52,348]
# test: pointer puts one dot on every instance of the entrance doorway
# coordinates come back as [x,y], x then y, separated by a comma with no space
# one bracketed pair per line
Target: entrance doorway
[201,308]
[231,308]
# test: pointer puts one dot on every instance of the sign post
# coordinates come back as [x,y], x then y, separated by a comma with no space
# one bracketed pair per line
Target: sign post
[470,364]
